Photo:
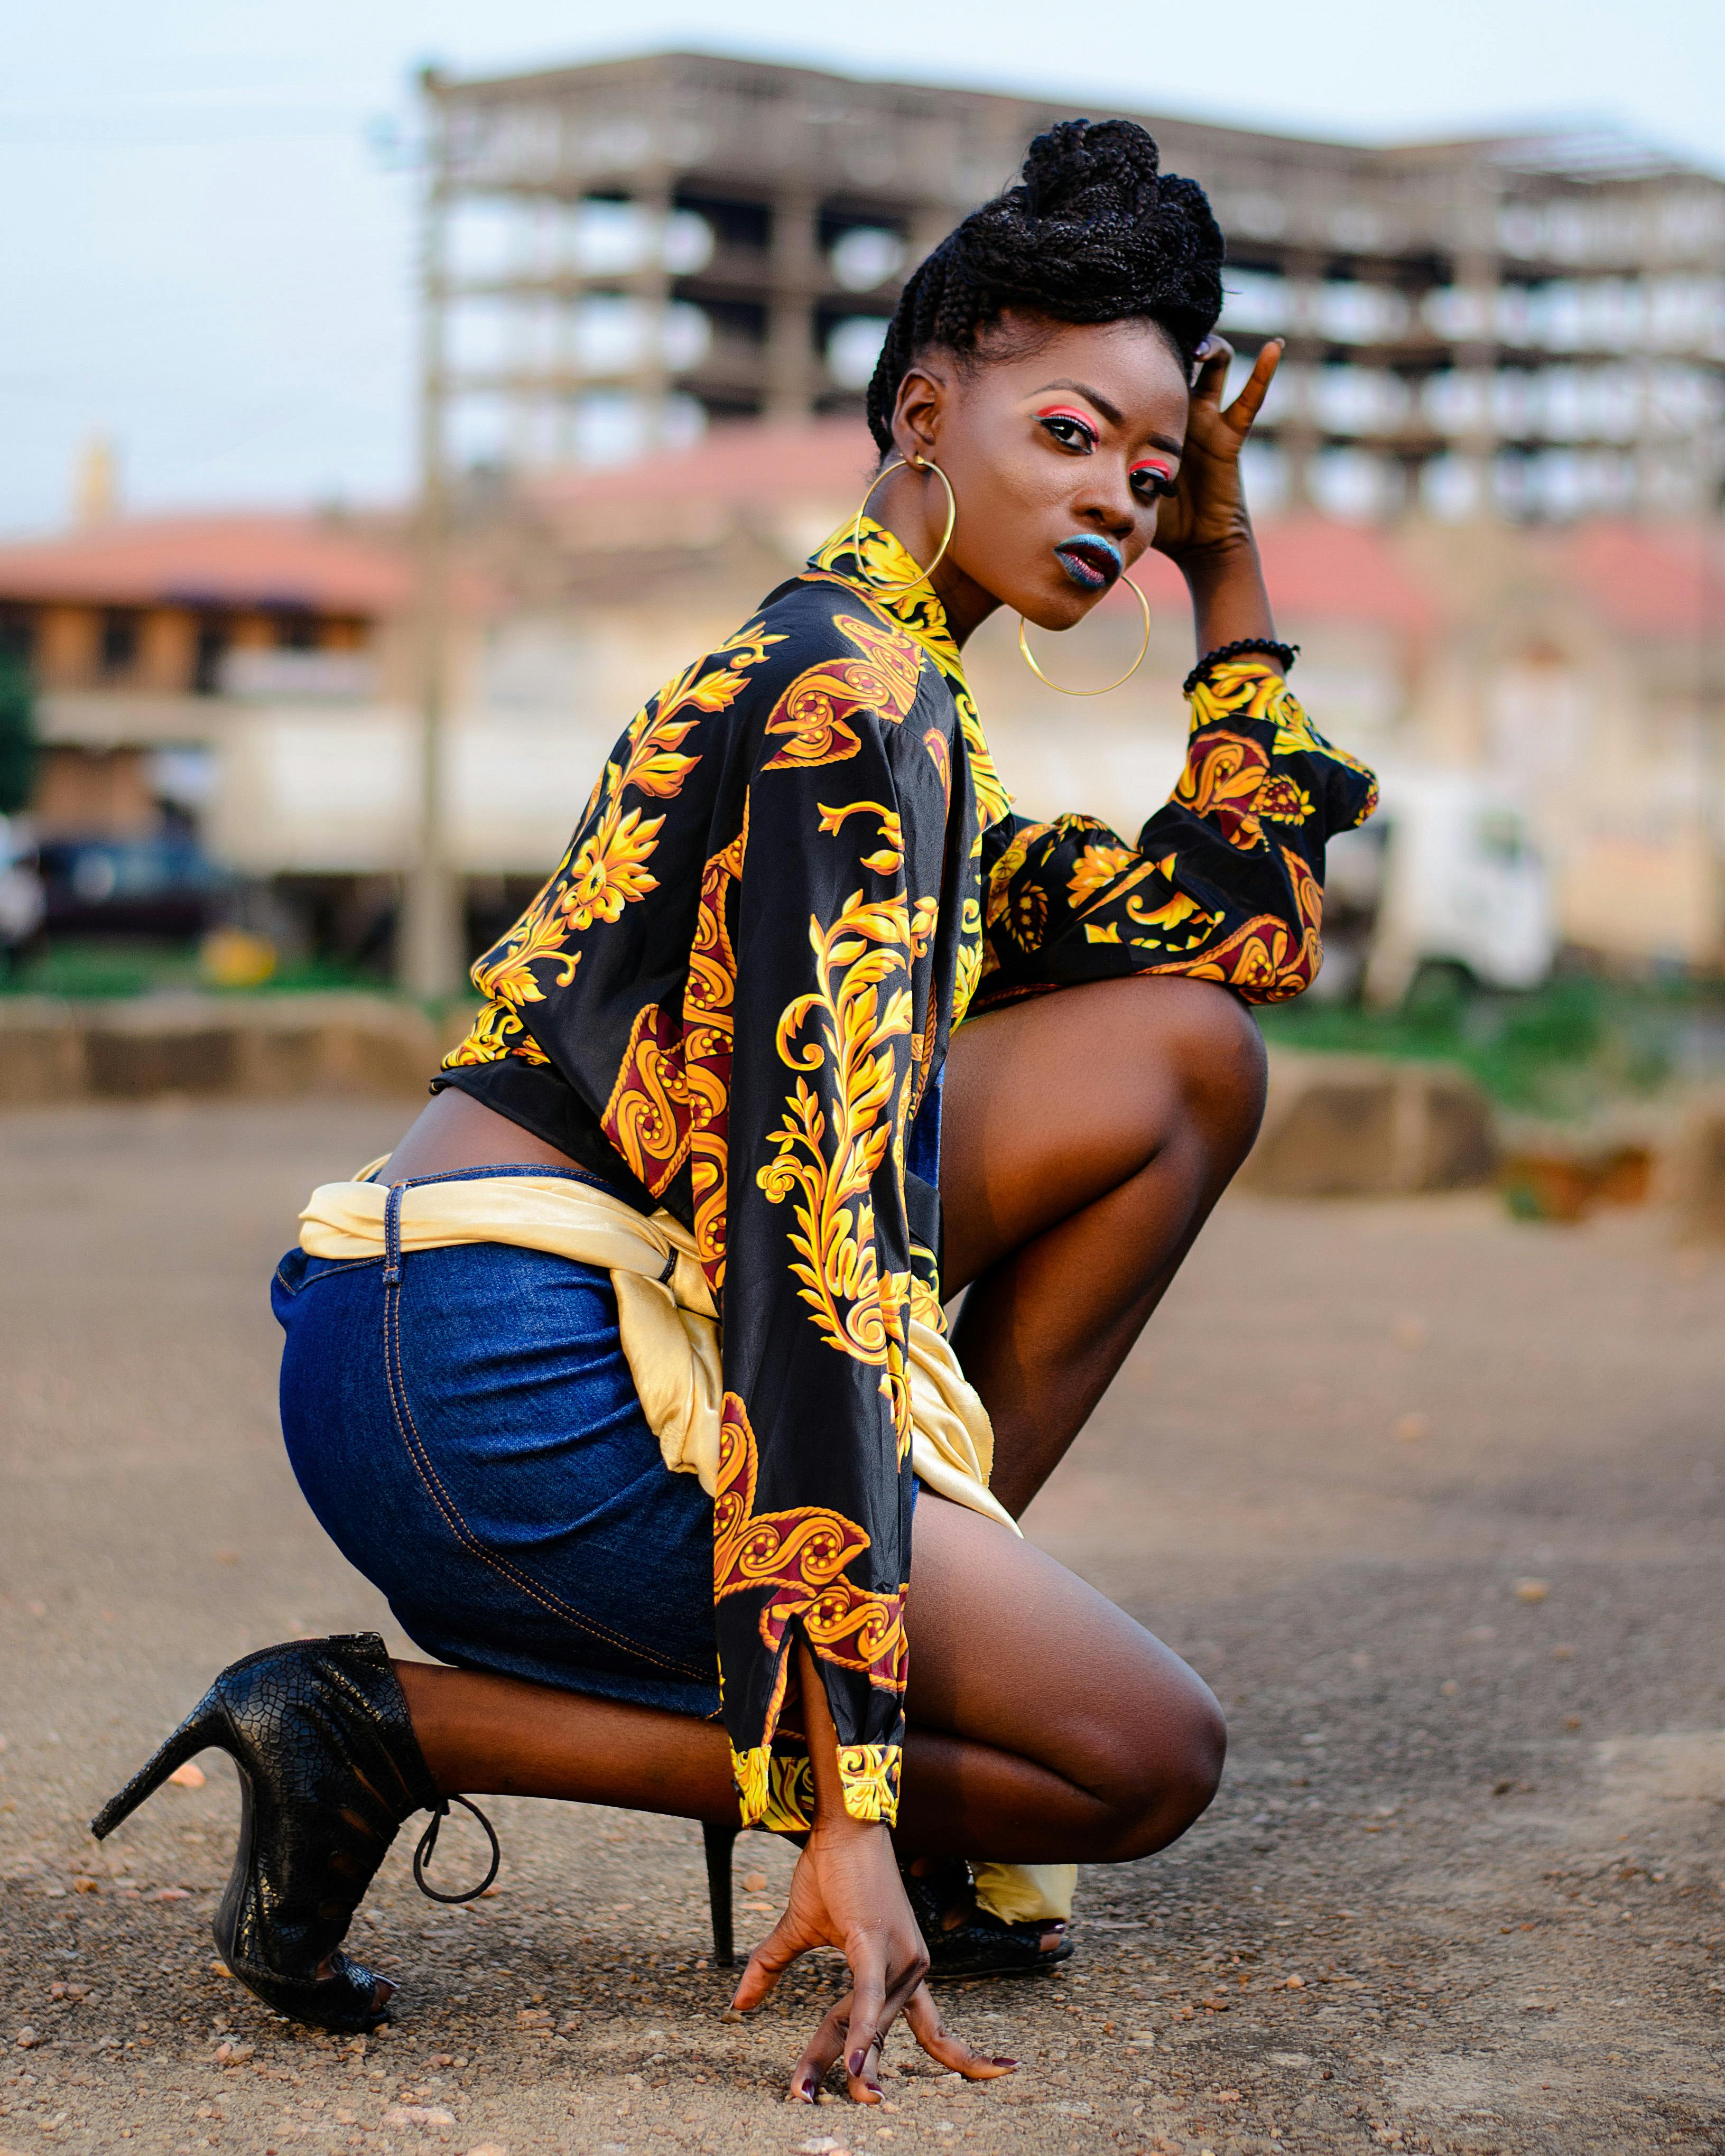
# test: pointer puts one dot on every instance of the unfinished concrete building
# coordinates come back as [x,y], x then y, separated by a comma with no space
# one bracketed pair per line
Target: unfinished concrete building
[619,254]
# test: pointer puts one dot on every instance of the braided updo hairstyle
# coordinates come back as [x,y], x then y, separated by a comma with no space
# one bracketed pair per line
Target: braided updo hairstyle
[1094,231]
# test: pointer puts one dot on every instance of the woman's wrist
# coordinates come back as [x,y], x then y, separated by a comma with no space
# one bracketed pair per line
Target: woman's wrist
[1228,594]
[1219,559]
[833,1821]
[833,1824]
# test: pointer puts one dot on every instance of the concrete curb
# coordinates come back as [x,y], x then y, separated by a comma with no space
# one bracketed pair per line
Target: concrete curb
[1358,1126]
[258,1048]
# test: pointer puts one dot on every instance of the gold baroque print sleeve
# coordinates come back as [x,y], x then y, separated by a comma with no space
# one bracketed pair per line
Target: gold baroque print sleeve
[1225,882]
[732,999]
[833,917]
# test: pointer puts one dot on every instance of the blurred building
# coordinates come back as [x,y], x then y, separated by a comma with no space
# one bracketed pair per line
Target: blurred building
[143,634]
[1532,327]
[252,677]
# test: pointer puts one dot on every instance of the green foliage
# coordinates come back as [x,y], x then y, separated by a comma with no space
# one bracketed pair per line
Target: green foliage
[1566,1050]
[105,967]
[17,734]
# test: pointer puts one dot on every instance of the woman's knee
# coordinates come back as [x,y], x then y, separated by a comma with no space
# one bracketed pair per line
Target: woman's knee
[1162,1775]
[1220,1062]
[1199,1047]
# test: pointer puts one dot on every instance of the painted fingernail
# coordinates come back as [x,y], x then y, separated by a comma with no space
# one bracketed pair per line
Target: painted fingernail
[1003,2063]
[857,2062]
[805,2090]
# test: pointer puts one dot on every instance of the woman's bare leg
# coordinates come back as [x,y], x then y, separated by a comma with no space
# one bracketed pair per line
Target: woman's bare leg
[1045,1725]
[1085,1137]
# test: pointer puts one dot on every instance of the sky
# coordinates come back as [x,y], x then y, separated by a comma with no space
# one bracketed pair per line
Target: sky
[206,206]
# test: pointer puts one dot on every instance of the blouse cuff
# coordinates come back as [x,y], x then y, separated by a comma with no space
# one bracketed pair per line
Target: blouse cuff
[776,1784]
[1231,682]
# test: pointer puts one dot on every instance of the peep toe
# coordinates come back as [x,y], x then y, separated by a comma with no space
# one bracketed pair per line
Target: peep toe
[329,1769]
[977,1944]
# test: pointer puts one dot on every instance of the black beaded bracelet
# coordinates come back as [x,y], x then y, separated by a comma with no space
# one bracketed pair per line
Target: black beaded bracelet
[1201,672]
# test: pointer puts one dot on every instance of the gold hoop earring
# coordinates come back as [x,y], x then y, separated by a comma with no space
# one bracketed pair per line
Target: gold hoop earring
[906,584]
[1029,658]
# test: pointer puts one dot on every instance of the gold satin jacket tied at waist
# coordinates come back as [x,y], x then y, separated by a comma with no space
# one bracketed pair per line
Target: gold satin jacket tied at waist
[664,1311]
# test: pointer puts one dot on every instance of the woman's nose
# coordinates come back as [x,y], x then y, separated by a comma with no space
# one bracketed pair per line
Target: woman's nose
[1108,507]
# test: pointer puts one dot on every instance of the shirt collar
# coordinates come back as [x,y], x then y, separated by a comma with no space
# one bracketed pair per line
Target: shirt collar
[863,545]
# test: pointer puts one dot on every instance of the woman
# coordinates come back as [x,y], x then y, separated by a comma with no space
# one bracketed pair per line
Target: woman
[694,1188]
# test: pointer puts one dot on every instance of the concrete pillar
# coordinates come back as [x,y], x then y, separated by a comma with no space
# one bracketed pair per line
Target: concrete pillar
[1297,434]
[1478,273]
[167,649]
[651,284]
[791,360]
[67,643]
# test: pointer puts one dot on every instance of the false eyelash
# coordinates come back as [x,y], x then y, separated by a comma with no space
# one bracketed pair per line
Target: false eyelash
[1072,419]
[1162,480]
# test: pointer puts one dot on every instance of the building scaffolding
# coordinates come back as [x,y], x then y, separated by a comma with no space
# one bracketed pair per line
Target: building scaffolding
[1531,326]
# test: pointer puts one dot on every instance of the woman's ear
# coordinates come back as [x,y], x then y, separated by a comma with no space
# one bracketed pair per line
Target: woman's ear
[922,395]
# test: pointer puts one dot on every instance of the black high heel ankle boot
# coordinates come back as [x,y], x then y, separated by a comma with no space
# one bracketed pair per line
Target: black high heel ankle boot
[329,1768]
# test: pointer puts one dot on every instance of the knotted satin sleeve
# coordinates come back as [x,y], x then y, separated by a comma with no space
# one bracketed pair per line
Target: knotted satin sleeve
[1225,881]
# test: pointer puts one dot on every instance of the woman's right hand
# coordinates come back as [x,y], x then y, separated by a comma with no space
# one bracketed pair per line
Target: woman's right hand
[845,1892]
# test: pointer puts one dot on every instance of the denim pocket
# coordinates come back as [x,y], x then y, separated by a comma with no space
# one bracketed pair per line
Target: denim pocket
[299,1270]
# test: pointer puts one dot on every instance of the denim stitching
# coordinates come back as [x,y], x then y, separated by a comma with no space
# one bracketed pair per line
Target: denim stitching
[391,1236]
[415,1445]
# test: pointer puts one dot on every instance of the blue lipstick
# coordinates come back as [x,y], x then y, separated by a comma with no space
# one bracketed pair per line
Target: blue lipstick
[1091,562]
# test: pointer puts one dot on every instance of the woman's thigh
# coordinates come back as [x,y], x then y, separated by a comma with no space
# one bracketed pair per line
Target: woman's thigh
[1011,1651]
[1048,1106]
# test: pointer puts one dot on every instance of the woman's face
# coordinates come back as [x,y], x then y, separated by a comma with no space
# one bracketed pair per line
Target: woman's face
[1057,459]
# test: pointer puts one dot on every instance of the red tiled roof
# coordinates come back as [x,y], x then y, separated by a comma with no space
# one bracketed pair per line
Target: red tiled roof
[741,464]
[1664,580]
[1317,570]
[236,560]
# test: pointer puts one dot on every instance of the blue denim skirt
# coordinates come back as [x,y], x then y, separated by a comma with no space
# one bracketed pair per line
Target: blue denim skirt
[469,1437]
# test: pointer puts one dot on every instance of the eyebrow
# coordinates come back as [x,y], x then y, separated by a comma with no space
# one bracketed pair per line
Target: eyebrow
[1111,413]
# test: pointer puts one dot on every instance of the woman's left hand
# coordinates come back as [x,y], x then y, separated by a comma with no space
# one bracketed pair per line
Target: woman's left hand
[1206,514]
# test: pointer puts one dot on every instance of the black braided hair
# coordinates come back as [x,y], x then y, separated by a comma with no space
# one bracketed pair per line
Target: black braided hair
[1093,233]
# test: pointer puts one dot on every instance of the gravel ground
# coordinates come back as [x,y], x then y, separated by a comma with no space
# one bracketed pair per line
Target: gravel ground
[1434,1501]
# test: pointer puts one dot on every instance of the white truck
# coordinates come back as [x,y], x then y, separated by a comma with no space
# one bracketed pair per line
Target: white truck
[1447,877]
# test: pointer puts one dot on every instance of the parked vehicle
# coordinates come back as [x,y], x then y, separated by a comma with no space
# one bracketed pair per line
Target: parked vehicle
[1446,877]
[160,887]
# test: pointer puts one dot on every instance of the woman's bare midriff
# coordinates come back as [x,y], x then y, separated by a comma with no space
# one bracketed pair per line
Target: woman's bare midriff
[454,1130]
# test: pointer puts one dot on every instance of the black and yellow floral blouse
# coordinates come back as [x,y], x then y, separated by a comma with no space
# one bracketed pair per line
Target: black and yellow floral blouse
[798,871]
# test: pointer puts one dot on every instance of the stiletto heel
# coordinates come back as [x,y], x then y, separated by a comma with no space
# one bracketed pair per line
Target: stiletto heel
[329,1768]
[202,1728]
[719,1841]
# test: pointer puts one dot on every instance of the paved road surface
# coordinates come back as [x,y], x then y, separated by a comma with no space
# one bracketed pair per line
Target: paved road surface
[1462,1890]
